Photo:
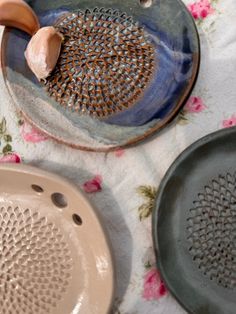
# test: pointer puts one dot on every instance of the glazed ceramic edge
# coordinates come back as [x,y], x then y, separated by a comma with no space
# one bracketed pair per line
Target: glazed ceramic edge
[156,212]
[134,141]
[28,169]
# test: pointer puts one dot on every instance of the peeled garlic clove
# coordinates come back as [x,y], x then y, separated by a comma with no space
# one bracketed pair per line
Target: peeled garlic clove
[43,51]
[18,14]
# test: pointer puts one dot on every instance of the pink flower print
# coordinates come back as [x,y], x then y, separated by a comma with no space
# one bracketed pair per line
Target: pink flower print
[200,9]
[229,122]
[154,287]
[119,152]
[10,158]
[30,134]
[194,105]
[93,185]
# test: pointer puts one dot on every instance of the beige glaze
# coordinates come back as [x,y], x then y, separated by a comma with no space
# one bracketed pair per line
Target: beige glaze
[49,264]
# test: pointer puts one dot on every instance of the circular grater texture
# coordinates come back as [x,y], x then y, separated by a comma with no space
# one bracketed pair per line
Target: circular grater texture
[105,64]
[35,263]
[211,231]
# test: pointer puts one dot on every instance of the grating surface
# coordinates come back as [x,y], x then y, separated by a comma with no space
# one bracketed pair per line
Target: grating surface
[212,231]
[35,263]
[105,64]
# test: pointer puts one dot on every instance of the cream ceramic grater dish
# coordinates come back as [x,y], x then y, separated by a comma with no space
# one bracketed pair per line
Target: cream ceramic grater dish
[54,258]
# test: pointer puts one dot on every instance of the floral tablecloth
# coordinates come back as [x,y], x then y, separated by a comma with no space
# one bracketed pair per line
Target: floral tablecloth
[123,184]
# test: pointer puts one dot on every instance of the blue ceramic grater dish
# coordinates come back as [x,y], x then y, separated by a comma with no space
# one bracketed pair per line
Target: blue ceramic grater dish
[125,70]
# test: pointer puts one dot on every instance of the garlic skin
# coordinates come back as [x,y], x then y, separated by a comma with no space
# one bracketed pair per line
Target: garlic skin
[18,14]
[43,51]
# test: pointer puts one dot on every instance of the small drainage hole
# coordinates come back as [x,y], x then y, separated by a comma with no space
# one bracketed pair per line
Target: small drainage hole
[37,188]
[77,219]
[146,3]
[59,200]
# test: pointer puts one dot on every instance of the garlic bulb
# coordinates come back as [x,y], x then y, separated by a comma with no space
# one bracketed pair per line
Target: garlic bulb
[43,51]
[18,14]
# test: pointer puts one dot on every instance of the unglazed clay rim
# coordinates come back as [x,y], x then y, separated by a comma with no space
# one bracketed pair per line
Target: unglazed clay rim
[52,180]
[159,125]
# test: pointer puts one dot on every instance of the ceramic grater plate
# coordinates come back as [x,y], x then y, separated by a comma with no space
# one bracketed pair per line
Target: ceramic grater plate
[194,225]
[54,255]
[125,70]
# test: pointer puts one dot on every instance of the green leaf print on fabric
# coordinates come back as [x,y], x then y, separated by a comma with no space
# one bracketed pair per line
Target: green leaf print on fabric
[7,138]
[3,126]
[7,154]
[149,194]
[7,149]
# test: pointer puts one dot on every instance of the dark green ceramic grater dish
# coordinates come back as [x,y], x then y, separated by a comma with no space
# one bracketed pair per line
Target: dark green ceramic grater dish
[194,225]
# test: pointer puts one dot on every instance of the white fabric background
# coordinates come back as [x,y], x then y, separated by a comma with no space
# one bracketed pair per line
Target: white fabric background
[145,164]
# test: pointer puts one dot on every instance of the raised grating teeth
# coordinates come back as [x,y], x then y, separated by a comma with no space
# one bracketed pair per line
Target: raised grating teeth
[211,230]
[35,262]
[103,53]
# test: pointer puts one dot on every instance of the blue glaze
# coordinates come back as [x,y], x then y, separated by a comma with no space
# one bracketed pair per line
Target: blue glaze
[18,41]
[48,18]
[174,37]
[174,69]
